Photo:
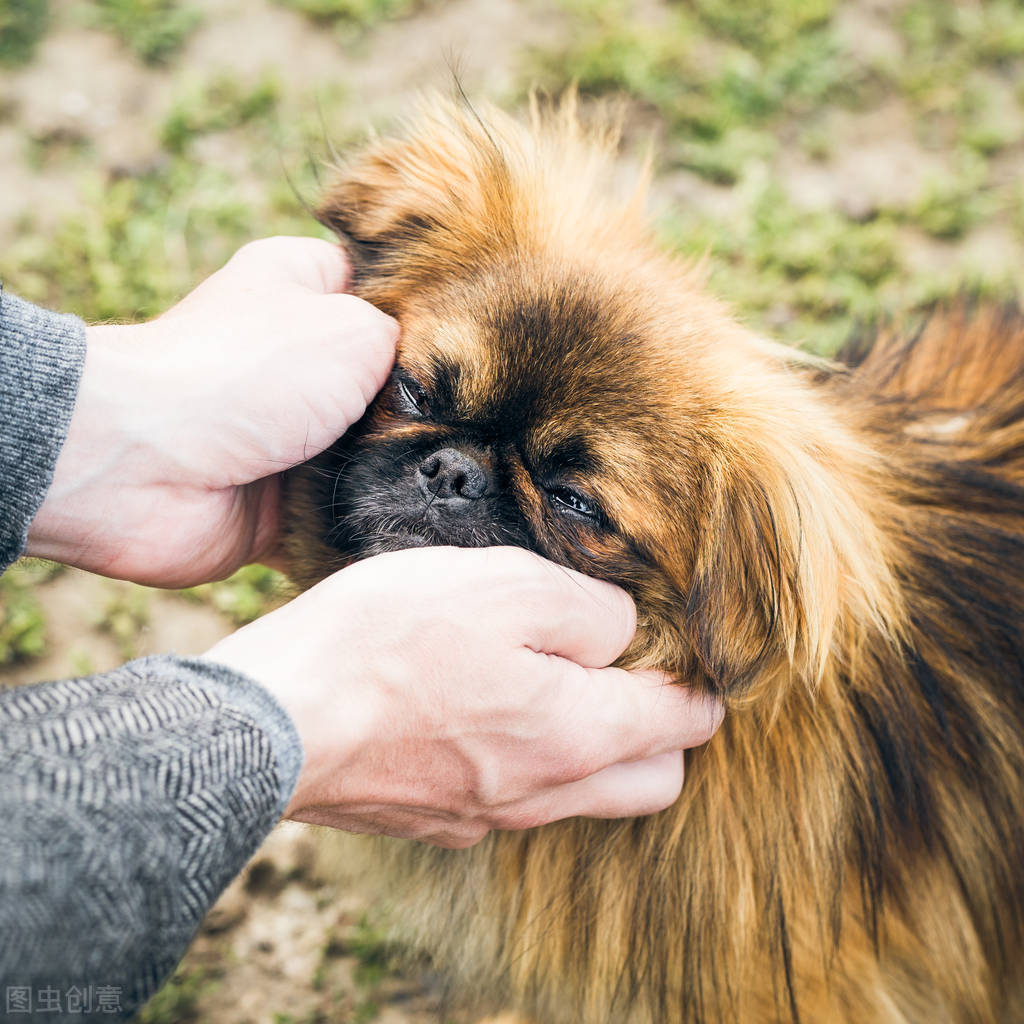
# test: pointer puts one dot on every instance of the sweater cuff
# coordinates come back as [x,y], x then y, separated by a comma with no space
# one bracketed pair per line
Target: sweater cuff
[248,696]
[41,360]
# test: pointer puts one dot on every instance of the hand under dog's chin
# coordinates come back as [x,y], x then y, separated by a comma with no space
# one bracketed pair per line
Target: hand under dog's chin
[398,540]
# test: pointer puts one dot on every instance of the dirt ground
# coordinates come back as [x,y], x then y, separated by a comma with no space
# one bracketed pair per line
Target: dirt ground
[289,943]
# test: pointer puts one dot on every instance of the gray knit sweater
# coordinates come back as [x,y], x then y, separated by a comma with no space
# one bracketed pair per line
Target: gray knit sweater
[128,800]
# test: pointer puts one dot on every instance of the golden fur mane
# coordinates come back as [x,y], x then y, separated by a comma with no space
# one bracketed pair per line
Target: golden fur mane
[847,568]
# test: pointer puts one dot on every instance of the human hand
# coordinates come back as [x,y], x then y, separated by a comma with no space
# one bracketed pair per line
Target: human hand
[444,692]
[169,474]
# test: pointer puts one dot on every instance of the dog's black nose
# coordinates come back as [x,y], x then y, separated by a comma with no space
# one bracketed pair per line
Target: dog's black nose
[451,475]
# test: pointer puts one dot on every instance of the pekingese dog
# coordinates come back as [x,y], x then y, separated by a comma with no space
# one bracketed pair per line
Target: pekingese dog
[836,549]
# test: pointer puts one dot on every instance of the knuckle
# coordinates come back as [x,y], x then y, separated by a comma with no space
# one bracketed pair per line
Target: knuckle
[465,839]
[360,313]
[705,715]
[716,715]
[622,613]
[584,750]
[257,248]
[668,786]
[512,820]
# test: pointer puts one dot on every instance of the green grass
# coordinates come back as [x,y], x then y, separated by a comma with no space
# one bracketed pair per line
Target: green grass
[735,87]
[248,594]
[719,95]
[361,14]
[22,621]
[135,246]
[945,41]
[123,617]
[138,243]
[80,663]
[951,205]
[154,30]
[221,104]
[22,618]
[811,276]
[370,946]
[22,25]
[376,960]
[766,25]
[805,276]
[178,1002]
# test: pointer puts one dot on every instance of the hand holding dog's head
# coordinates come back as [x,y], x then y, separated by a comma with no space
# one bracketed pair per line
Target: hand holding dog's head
[564,387]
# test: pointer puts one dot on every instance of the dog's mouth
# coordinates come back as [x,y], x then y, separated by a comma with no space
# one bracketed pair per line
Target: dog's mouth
[361,536]
[367,510]
[364,542]
[399,539]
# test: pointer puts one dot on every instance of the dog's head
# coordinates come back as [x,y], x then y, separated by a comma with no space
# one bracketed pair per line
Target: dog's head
[563,386]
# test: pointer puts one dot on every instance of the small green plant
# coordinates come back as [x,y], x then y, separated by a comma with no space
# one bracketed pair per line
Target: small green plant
[806,275]
[986,119]
[945,43]
[248,594]
[124,616]
[765,25]
[22,622]
[81,663]
[22,25]
[1015,208]
[370,946]
[219,105]
[153,29]
[365,1011]
[362,14]
[178,1001]
[135,246]
[719,97]
[948,207]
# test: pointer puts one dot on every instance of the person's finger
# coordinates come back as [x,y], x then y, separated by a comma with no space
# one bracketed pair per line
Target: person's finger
[565,613]
[311,263]
[363,322]
[626,790]
[630,716]
[275,559]
[417,824]
[359,358]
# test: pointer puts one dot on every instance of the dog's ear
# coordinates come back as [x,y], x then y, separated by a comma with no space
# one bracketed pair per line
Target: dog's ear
[406,204]
[788,553]
[375,218]
[380,220]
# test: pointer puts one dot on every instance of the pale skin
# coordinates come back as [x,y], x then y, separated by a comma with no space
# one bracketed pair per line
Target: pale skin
[439,693]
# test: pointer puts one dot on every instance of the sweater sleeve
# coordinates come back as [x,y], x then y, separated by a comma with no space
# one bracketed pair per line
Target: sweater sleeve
[129,800]
[41,360]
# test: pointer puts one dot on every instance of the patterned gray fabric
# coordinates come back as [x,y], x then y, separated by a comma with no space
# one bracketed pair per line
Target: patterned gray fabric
[128,800]
[41,359]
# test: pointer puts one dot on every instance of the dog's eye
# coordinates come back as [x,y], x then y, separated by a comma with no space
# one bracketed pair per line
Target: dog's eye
[412,396]
[567,500]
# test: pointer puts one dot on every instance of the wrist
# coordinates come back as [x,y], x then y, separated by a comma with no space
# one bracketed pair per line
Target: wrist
[336,718]
[108,449]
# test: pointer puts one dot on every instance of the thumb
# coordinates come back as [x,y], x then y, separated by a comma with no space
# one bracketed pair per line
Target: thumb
[310,263]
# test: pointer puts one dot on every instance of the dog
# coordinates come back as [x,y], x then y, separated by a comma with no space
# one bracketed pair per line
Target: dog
[833,548]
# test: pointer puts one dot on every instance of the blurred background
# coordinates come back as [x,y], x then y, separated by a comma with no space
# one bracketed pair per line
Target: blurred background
[837,160]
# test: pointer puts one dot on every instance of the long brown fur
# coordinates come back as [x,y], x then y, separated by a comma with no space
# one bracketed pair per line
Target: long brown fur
[837,549]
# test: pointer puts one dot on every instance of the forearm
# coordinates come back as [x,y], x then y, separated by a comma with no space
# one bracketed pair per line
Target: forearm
[129,800]
[41,359]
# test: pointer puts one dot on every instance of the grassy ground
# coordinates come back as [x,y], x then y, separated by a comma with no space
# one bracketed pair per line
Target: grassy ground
[835,161]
